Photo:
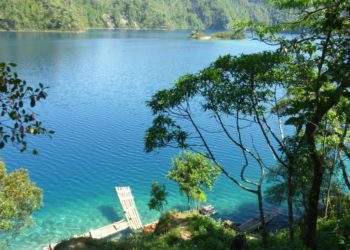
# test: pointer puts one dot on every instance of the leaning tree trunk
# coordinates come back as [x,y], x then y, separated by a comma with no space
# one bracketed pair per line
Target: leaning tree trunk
[262,218]
[345,174]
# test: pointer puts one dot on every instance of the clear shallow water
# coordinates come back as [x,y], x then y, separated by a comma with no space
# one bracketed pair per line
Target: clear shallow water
[99,82]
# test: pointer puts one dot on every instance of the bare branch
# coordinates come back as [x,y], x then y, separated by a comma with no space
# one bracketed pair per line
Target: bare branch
[260,162]
[268,139]
[211,154]
[244,153]
[239,145]
[278,114]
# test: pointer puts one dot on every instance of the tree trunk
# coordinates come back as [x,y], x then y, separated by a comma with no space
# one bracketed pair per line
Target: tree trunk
[290,206]
[311,216]
[345,174]
[262,218]
[310,223]
[329,189]
[188,202]
[312,203]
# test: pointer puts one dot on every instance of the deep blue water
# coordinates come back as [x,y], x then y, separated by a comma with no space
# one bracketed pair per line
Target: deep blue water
[99,82]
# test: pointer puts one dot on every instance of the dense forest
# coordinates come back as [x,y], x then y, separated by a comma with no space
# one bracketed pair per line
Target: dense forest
[136,14]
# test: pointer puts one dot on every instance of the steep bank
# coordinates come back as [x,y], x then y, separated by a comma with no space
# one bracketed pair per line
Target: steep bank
[135,14]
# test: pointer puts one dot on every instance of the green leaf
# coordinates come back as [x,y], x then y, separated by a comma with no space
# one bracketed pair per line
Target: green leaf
[32,101]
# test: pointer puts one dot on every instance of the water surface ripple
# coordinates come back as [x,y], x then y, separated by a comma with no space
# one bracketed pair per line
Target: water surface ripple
[99,82]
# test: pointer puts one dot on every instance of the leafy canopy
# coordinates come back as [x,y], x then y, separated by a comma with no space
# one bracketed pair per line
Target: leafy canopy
[17,119]
[303,87]
[193,172]
[19,198]
[158,196]
[230,84]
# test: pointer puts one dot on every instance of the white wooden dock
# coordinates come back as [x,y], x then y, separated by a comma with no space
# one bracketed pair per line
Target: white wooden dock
[108,230]
[99,233]
[133,220]
[128,204]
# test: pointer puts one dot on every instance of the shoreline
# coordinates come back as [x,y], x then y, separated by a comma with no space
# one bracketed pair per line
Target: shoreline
[90,29]
[43,31]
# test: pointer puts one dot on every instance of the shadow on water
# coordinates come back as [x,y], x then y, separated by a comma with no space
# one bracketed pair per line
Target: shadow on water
[250,210]
[109,213]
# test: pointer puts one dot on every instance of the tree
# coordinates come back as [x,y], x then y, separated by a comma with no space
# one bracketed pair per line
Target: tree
[193,172]
[317,86]
[19,198]
[17,98]
[237,92]
[158,197]
[82,14]
[320,85]
[299,86]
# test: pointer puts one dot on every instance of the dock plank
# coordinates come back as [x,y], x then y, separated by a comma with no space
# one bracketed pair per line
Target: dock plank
[128,204]
[255,223]
[99,233]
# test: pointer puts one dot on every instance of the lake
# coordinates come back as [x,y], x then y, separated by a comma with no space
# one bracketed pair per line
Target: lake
[99,82]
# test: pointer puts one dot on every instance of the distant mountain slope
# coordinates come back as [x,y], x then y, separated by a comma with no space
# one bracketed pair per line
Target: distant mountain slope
[145,14]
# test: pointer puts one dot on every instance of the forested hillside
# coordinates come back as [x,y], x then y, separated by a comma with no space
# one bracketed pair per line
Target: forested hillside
[160,14]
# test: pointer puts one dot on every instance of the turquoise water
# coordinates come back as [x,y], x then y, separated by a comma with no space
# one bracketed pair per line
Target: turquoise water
[99,82]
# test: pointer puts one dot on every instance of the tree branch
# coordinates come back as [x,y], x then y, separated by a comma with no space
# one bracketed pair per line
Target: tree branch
[211,154]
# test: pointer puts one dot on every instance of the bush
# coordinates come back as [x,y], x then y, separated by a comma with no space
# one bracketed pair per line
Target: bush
[182,230]
[228,35]
[197,35]
[85,244]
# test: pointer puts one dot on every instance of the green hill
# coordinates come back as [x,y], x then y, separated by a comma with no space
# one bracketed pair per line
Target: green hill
[142,14]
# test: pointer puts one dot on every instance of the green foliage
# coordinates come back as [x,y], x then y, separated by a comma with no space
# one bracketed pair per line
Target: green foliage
[224,35]
[197,35]
[228,35]
[303,86]
[299,162]
[160,14]
[175,231]
[277,241]
[39,15]
[232,90]
[19,198]
[193,172]
[158,197]
[332,233]
[316,88]
[17,99]
[230,84]
[189,230]
[86,244]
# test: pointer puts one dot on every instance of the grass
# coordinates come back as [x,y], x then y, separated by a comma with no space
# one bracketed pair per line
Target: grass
[187,230]
[175,231]
[190,230]
[331,234]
